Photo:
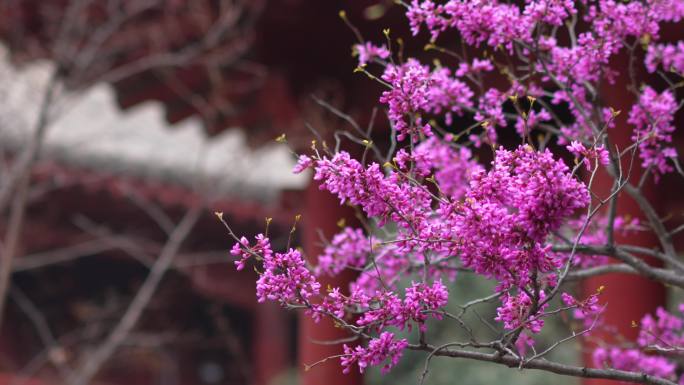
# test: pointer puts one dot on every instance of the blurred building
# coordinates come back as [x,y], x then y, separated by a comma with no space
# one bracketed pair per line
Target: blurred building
[146,131]
[91,232]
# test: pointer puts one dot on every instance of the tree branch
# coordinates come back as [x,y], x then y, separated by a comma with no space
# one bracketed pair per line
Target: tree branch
[117,336]
[549,366]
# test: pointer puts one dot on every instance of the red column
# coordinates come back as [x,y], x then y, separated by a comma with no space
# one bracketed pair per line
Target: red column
[322,211]
[628,297]
[11,378]
[271,343]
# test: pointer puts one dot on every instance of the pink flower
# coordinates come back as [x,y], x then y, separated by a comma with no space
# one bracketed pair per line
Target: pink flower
[588,156]
[669,55]
[303,162]
[653,118]
[511,209]
[349,248]
[633,360]
[286,279]
[369,52]
[379,350]
[243,250]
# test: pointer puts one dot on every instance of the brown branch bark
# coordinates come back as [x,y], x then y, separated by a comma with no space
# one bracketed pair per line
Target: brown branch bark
[549,366]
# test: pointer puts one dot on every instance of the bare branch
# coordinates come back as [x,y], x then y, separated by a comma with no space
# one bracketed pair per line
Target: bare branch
[85,372]
[549,366]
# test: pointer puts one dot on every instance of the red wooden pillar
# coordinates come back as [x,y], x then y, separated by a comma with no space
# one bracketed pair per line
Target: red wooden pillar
[271,343]
[322,211]
[628,297]
[11,378]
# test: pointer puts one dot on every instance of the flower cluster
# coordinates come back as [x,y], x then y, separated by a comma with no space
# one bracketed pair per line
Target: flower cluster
[416,89]
[386,270]
[244,251]
[511,209]
[553,12]
[285,277]
[380,349]
[669,55]
[518,311]
[653,118]
[490,110]
[664,330]
[420,300]
[369,52]
[589,155]
[663,333]
[432,206]
[448,95]
[349,248]
[477,66]
[453,167]
[410,86]
[386,198]
[486,21]
[633,360]
[380,311]
[497,221]
[586,310]
[524,125]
